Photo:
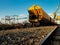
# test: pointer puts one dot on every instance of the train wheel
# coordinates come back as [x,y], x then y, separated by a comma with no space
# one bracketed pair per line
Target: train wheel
[35,24]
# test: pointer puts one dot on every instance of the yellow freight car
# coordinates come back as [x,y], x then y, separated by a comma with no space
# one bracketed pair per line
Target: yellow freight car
[37,15]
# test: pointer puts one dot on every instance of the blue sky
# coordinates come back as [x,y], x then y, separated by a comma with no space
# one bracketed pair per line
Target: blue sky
[19,7]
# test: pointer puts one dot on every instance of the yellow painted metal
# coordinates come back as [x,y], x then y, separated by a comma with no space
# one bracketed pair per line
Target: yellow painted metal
[54,15]
[58,17]
[35,10]
[34,7]
[40,13]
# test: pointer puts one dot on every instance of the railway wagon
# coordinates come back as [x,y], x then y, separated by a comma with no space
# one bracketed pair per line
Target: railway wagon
[38,17]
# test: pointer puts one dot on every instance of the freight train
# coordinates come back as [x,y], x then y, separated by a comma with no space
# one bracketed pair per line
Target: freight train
[39,17]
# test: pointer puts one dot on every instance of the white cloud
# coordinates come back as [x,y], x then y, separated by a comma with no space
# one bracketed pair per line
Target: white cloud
[22,15]
[50,14]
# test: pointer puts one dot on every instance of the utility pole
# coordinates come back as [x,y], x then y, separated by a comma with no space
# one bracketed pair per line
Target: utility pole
[7,18]
[15,17]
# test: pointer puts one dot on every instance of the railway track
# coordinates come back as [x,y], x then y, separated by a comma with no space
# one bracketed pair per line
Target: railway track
[54,38]
[27,36]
